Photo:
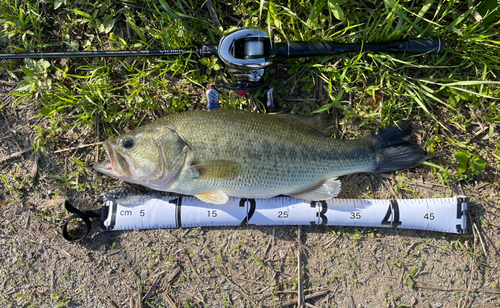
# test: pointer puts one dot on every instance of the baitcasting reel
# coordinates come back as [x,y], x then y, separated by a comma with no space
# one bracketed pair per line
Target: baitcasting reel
[246,53]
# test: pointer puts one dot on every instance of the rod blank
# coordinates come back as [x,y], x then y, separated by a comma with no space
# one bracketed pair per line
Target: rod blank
[96,54]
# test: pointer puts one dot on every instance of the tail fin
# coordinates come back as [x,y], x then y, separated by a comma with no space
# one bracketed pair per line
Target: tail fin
[395,149]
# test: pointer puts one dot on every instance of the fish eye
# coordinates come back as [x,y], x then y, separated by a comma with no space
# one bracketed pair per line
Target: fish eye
[128,143]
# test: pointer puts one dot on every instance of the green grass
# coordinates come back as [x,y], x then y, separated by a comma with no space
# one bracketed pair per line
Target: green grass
[450,92]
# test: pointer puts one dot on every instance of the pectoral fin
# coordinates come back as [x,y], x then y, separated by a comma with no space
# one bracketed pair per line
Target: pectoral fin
[214,197]
[325,191]
[216,169]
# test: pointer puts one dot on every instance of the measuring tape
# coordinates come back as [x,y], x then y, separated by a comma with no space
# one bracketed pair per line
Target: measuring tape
[144,212]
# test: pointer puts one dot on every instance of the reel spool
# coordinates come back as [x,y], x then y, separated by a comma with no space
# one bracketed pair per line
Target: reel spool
[253,49]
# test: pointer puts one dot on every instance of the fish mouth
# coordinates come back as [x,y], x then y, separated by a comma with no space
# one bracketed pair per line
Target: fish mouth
[117,165]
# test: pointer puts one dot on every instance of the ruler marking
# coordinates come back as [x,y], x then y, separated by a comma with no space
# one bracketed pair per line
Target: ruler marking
[332,212]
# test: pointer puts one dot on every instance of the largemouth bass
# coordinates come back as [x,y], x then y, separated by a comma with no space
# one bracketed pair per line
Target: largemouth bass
[221,153]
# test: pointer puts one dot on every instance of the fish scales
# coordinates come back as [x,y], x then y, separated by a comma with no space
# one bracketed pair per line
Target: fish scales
[274,153]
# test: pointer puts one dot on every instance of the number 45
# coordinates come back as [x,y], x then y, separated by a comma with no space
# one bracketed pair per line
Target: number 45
[429,216]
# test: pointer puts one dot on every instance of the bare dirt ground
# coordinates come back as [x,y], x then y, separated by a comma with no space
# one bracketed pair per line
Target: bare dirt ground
[231,267]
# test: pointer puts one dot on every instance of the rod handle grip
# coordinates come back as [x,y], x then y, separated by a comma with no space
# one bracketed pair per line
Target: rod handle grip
[429,44]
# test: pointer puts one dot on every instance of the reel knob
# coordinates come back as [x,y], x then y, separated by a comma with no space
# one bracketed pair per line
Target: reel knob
[212,98]
[270,99]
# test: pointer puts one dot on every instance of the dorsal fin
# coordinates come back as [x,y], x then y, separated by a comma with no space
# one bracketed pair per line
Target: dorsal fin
[319,123]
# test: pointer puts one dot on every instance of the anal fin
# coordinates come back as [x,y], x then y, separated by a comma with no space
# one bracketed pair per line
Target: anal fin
[325,191]
[214,197]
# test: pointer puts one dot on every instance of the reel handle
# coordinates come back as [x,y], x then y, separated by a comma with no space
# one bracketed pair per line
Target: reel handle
[430,44]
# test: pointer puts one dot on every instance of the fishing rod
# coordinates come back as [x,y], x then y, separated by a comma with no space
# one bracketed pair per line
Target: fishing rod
[247,52]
